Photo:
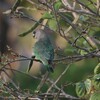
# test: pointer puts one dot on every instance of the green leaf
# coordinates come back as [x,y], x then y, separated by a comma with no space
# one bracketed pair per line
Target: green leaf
[32,28]
[52,24]
[88,85]
[95,96]
[82,52]
[97,69]
[47,15]
[80,89]
[58,5]
[96,81]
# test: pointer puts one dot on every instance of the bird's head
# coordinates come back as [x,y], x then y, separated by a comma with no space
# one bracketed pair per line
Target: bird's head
[39,34]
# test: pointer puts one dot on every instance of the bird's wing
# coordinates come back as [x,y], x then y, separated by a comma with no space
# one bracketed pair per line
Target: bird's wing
[43,50]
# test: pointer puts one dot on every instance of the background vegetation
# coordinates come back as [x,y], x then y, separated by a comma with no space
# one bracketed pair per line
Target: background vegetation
[74,28]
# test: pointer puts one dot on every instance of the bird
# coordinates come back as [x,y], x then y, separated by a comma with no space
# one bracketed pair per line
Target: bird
[43,50]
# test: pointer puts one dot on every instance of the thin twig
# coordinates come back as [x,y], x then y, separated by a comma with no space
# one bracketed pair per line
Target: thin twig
[43,80]
[65,70]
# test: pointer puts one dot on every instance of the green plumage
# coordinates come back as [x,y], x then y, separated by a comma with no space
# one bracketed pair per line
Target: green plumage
[43,50]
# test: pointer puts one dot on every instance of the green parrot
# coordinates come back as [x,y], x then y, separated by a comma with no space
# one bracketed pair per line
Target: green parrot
[43,50]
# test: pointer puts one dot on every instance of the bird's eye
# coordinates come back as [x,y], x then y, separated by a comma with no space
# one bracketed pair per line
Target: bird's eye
[34,34]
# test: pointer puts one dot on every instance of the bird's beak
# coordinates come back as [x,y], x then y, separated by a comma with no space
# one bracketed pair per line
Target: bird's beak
[34,34]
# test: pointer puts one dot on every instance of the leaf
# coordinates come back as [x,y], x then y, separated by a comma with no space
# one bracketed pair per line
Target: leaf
[97,69]
[95,96]
[96,81]
[32,28]
[80,89]
[52,24]
[88,85]
[82,52]
[58,5]
[70,50]
[47,15]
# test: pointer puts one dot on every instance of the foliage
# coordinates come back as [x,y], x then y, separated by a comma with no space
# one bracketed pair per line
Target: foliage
[90,87]
[78,24]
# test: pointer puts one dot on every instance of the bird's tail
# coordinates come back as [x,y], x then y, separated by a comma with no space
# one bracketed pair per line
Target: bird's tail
[31,63]
[50,68]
